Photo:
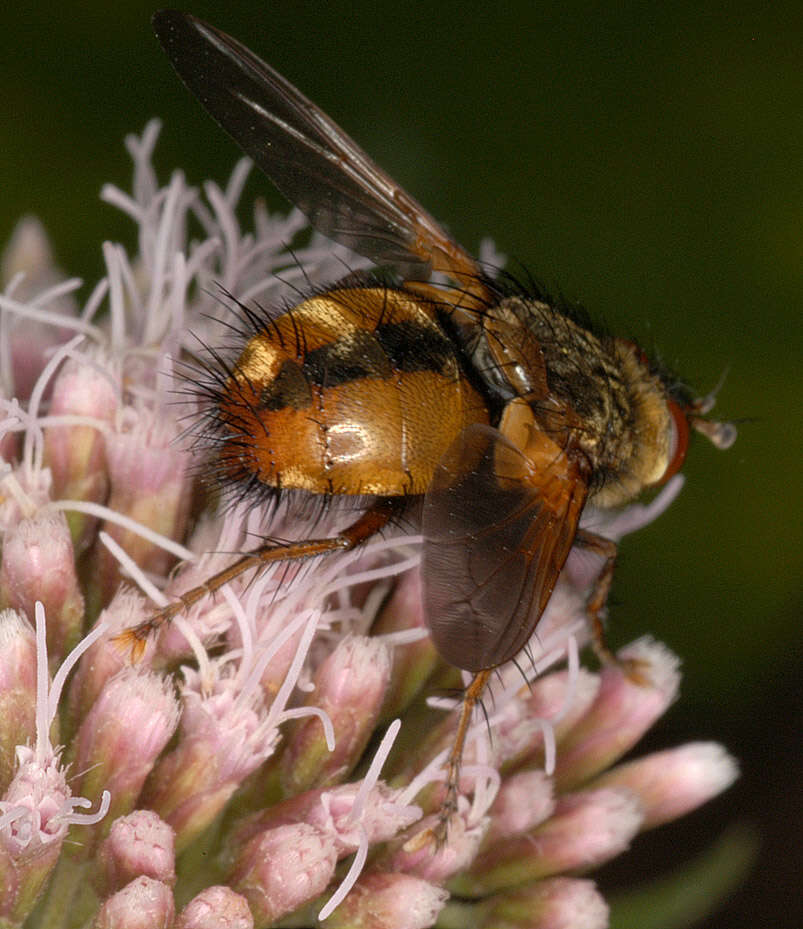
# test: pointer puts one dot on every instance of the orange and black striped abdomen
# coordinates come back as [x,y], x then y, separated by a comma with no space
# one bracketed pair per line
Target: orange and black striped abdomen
[353,391]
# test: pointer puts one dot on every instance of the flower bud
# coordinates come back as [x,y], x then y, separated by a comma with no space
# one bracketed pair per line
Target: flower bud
[222,739]
[331,810]
[104,658]
[587,829]
[671,783]
[148,475]
[210,618]
[524,800]
[350,687]
[281,869]
[555,903]
[623,711]
[560,700]
[388,901]
[138,845]
[23,491]
[39,564]
[17,690]
[216,907]
[437,861]
[76,454]
[123,734]
[30,342]
[142,904]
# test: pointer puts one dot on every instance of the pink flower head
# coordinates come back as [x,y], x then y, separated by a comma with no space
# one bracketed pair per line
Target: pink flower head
[279,753]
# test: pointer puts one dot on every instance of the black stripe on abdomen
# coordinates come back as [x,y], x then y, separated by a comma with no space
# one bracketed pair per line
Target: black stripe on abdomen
[404,347]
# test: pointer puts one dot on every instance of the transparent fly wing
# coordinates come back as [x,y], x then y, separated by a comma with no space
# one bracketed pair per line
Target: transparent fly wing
[309,158]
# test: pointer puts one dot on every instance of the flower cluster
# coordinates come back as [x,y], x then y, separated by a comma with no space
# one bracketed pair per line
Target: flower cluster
[277,755]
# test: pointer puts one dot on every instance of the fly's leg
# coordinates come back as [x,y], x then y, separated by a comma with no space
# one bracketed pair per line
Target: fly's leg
[598,597]
[369,524]
[471,697]
[635,669]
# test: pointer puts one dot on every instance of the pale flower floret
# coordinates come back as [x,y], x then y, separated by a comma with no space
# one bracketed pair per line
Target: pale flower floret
[39,564]
[46,309]
[452,856]
[622,712]
[38,806]
[32,809]
[224,735]
[349,686]
[86,393]
[525,799]
[555,903]
[382,815]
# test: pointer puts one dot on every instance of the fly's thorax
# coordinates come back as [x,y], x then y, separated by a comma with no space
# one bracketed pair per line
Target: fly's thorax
[600,399]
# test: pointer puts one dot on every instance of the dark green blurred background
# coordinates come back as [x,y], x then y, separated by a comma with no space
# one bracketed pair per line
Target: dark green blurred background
[647,161]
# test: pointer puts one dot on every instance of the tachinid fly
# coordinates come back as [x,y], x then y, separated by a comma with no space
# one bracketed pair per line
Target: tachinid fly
[497,414]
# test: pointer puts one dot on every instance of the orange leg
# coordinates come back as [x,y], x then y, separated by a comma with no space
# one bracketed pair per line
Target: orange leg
[471,697]
[371,522]
[599,592]
[636,670]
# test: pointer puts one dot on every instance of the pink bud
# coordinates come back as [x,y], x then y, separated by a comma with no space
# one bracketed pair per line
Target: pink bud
[17,690]
[330,811]
[624,710]
[587,829]
[139,844]
[437,862]
[39,564]
[558,700]
[142,904]
[223,739]
[28,252]
[149,479]
[216,907]
[76,454]
[105,658]
[209,619]
[524,800]
[123,734]
[350,687]
[30,341]
[555,903]
[388,901]
[283,868]
[671,783]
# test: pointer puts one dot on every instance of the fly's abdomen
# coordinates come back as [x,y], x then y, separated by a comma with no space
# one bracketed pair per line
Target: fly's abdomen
[353,391]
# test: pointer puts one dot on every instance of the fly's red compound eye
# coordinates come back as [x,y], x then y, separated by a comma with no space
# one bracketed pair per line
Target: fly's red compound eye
[678,441]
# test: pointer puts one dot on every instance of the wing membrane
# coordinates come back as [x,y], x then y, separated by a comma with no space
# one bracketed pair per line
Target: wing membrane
[309,158]
[493,548]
